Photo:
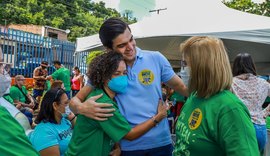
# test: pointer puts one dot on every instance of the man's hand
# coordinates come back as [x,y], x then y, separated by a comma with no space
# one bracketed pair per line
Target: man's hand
[91,109]
[18,106]
[31,105]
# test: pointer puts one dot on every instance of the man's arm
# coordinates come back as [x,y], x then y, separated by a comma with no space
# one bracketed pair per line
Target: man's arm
[90,108]
[178,85]
[81,82]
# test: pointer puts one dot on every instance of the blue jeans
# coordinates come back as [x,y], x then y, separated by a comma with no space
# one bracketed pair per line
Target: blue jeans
[68,94]
[159,151]
[74,92]
[261,134]
[37,93]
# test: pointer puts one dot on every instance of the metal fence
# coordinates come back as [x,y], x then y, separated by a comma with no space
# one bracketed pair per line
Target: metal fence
[80,61]
[26,51]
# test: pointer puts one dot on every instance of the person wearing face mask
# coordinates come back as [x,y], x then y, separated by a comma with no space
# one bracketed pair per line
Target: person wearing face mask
[39,75]
[77,81]
[213,121]
[14,125]
[108,74]
[54,124]
[185,72]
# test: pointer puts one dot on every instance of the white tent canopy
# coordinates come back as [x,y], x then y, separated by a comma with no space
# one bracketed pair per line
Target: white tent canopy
[241,32]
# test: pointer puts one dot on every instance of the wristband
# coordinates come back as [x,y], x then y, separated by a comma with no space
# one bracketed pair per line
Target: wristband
[154,120]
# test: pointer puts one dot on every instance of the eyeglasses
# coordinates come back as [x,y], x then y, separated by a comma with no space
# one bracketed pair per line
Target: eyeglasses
[21,79]
[4,68]
[183,63]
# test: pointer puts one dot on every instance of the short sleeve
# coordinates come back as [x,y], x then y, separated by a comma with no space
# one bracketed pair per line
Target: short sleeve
[43,137]
[236,133]
[55,74]
[24,90]
[166,69]
[14,93]
[116,127]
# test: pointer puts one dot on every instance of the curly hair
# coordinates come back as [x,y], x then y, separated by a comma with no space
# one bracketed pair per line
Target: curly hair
[102,68]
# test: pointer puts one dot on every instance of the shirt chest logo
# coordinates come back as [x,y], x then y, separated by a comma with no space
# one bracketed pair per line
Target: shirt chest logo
[195,119]
[146,77]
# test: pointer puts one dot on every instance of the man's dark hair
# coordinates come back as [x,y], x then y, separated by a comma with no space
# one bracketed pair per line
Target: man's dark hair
[102,68]
[243,63]
[46,113]
[110,29]
[57,62]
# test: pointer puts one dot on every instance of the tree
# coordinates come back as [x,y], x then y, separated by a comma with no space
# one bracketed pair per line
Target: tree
[251,7]
[82,17]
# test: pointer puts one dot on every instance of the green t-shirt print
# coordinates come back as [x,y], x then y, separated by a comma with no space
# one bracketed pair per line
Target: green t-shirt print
[217,126]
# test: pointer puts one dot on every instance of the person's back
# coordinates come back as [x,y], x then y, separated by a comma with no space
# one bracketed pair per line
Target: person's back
[13,133]
[213,121]
[202,132]
[13,140]
[63,74]
[253,91]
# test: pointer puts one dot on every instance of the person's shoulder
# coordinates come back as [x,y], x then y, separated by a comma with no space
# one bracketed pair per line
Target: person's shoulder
[3,110]
[104,98]
[227,101]
[14,88]
[43,126]
[36,69]
[156,55]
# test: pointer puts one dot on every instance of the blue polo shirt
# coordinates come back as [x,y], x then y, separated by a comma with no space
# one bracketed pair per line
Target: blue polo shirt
[140,102]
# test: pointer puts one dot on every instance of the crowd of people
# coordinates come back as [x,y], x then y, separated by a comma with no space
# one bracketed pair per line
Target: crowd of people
[124,107]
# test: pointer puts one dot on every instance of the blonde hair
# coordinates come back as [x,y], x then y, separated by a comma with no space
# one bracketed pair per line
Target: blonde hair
[210,68]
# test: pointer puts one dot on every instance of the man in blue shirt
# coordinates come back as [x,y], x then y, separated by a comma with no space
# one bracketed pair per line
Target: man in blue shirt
[146,71]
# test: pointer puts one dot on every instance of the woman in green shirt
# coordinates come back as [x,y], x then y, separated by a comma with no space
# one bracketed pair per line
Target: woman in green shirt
[108,74]
[213,121]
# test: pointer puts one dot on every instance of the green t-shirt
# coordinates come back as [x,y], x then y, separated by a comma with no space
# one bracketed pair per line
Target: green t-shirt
[267,100]
[13,141]
[96,138]
[63,74]
[16,94]
[9,99]
[217,126]
[178,97]
[268,122]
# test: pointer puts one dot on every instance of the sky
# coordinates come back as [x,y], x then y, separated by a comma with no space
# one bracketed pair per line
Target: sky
[141,8]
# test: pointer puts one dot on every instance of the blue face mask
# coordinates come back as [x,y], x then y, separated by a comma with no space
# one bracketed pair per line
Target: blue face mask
[67,112]
[118,84]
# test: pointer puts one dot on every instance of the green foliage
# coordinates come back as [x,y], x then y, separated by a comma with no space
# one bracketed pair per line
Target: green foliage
[251,7]
[92,55]
[82,17]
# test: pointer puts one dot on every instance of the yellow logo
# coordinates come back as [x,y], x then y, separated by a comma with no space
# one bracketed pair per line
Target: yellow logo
[146,77]
[195,119]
